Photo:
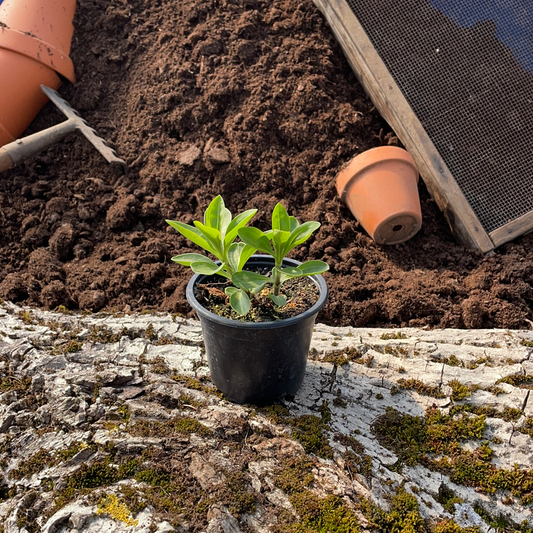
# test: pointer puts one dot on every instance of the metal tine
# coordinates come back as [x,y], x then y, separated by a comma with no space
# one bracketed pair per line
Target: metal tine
[81,125]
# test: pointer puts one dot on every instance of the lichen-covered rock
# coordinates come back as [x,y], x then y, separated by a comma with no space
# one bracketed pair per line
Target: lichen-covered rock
[112,422]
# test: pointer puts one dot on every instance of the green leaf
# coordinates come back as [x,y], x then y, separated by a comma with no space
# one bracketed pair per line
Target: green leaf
[230,290]
[300,235]
[238,222]
[294,223]
[280,219]
[291,272]
[279,239]
[188,259]
[250,280]
[217,216]
[207,231]
[256,238]
[206,267]
[247,252]
[234,255]
[278,300]
[212,213]
[310,268]
[194,235]
[239,301]
[211,235]
[238,255]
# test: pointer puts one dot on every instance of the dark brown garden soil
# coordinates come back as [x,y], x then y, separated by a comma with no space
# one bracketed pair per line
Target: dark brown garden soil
[251,99]
[300,294]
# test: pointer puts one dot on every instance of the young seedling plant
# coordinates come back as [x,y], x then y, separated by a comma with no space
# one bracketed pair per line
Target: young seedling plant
[217,235]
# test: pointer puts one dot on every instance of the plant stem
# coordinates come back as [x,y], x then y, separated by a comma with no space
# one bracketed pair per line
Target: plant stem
[277,280]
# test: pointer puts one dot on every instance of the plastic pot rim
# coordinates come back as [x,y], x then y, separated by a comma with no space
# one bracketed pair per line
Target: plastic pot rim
[202,311]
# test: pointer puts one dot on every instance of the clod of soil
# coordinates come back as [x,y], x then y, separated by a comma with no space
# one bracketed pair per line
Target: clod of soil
[253,100]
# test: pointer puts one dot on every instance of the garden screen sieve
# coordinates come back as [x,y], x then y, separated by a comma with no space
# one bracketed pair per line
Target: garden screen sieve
[454,78]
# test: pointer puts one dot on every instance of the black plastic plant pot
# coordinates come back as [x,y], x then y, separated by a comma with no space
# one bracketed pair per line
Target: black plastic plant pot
[257,362]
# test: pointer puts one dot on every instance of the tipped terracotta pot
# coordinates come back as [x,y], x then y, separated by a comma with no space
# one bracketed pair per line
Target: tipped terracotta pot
[35,37]
[380,188]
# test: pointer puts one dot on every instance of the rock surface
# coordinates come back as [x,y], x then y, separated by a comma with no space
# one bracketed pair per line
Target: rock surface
[110,423]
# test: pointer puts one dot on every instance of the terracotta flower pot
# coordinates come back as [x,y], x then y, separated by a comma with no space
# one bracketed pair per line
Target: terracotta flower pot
[35,38]
[380,188]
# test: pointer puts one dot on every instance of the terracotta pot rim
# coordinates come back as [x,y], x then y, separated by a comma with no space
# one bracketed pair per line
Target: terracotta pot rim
[368,159]
[33,47]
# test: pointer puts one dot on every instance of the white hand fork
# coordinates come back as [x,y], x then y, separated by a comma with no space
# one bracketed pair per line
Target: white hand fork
[17,151]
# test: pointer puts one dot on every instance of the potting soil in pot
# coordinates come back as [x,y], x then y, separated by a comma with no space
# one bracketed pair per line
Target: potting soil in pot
[252,100]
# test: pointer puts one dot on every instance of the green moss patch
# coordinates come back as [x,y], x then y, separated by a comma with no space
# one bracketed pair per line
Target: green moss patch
[449,526]
[319,515]
[393,336]
[169,428]
[523,381]
[403,517]
[308,430]
[421,388]
[343,357]
[355,458]
[435,441]
[296,475]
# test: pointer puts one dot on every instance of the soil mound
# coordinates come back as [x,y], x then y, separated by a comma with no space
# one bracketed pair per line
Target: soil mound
[251,99]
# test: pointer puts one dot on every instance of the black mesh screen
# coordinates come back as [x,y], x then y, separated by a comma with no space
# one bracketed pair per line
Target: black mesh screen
[466,69]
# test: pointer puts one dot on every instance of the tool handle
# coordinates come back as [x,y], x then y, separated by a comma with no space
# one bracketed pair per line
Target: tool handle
[5,160]
[21,149]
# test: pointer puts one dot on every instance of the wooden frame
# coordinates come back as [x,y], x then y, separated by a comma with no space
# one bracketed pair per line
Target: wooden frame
[391,103]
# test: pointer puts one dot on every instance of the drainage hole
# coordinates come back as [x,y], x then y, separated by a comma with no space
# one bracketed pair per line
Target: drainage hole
[398,227]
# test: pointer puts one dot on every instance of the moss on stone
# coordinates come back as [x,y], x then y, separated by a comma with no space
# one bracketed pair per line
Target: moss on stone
[159,366]
[180,425]
[115,508]
[447,498]
[527,427]
[420,387]
[70,451]
[460,391]
[498,523]
[524,381]
[509,414]
[71,346]
[36,463]
[296,475]
[196,384]
[435,441]
[277,413]
[124,412]
[318,515]
[453,360]
[150,333]
[20,385]
[343,357]
[187,426]
[240,499]
[393,336]
[449,526]
[404,434]
[308,430]
[403,517]
[355,458]
[103,335]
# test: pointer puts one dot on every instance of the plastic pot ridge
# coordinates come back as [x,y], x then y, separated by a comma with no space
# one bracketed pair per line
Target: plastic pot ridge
[257,362]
